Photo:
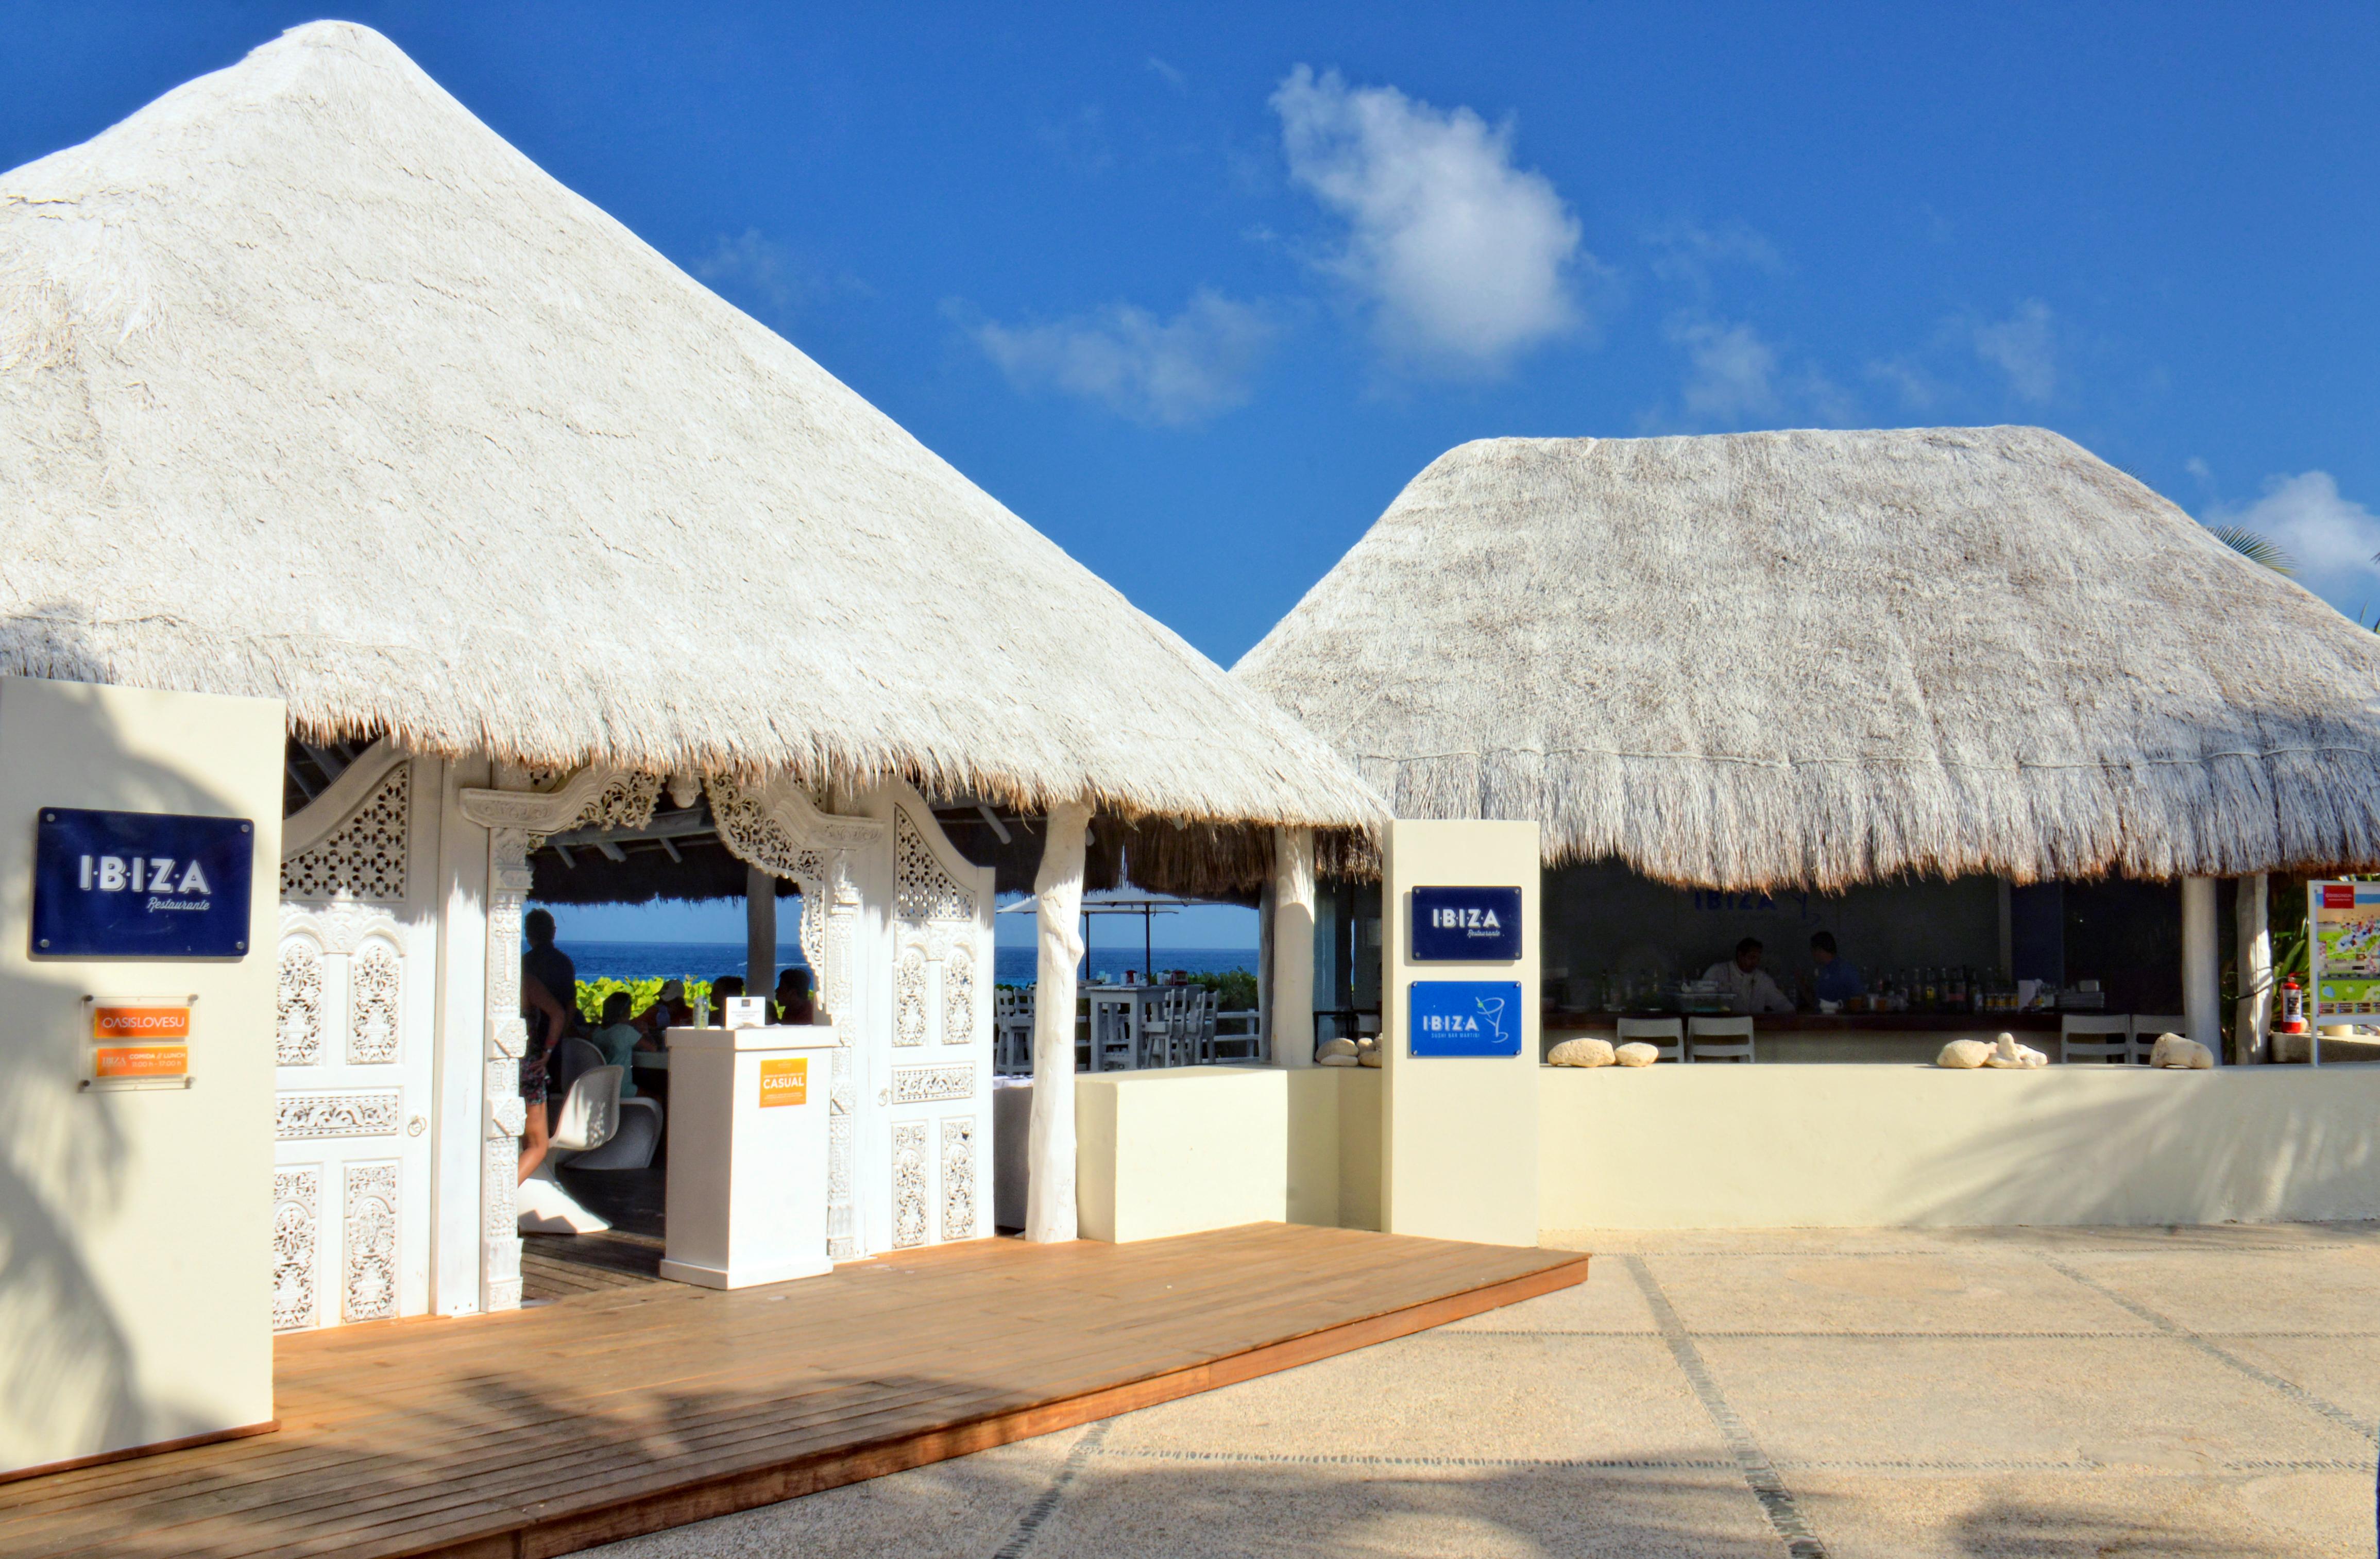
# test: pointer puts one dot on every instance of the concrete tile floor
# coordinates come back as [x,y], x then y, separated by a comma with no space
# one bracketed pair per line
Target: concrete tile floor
[1894,1394]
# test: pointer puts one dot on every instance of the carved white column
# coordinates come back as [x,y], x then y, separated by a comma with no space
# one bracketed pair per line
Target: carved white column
[499,1244]
[1293,948]
[2253,1020]
[1049,1151]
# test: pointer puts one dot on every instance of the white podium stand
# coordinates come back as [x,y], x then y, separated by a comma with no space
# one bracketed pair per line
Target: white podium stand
[746,1195]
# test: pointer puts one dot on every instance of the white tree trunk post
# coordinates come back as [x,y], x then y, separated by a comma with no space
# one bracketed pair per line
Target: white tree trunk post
[1050,1145]
[1293,948]
[2202,964]
[760,932]
[2253,1022]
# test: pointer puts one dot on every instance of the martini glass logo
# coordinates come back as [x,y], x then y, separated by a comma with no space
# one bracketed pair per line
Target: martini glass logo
[1492,1016]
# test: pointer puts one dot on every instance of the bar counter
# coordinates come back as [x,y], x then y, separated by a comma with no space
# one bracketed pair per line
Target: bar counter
[1789,1038]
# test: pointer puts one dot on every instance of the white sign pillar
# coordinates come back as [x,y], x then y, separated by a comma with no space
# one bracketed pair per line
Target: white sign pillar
[1459,1132]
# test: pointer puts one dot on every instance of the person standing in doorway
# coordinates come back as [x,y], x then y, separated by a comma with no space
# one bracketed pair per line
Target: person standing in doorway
[550,964]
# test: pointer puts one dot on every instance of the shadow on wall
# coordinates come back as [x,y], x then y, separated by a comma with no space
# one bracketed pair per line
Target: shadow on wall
[2249,1144]
[64,1158]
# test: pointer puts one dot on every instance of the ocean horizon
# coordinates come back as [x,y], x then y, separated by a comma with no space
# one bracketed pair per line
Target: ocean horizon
[1011,966]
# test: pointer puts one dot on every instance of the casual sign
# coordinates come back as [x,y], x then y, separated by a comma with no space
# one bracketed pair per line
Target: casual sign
[141,885]
[1466,925]
[1464,1016]
[784,1079]
[120,1064]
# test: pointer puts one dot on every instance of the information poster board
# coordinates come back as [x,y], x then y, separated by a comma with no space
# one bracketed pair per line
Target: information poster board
[2343,950]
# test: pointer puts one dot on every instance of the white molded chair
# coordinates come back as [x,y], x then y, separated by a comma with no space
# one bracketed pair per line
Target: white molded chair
[2150,1027]
[1719,1039]
[2094,1036]
[590,1113]
[1667,1035]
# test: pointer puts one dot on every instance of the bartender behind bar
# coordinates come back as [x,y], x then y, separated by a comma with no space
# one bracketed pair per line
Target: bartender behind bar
[1835,980]
[1742,978]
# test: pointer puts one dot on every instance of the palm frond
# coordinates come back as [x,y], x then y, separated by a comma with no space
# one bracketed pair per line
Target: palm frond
[2255,548]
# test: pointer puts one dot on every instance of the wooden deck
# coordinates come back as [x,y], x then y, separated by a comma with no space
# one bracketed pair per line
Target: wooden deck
[631,1405]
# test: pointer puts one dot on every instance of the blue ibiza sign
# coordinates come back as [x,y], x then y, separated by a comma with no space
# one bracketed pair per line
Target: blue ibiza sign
[141,885]
[1458,925]
[1464,1016]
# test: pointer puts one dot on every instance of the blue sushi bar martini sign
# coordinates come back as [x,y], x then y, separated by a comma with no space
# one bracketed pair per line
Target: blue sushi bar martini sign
[141,885]
[1465,1016]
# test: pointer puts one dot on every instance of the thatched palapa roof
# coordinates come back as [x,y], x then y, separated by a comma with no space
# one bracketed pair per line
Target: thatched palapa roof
[1820,658]
[311,385]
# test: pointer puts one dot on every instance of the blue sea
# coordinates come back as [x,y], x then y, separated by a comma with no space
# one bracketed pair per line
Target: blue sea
[1011,966]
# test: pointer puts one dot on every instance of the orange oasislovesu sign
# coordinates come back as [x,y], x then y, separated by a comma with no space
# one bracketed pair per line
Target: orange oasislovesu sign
[146,1020]
[785,1081]
[113,1063]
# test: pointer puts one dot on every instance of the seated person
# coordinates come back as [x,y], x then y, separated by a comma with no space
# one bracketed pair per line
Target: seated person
[793,1004]
[1837,979]
[617,1038]
[669,1011]
[1743,980]
[724,987]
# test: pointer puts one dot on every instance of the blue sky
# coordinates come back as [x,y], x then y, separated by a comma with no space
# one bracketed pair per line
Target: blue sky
[1196,290]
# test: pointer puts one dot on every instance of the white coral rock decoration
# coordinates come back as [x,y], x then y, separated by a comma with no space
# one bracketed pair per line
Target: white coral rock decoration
[1581,1052]
[1636,1053]
[2173,1050]
[1963,1054]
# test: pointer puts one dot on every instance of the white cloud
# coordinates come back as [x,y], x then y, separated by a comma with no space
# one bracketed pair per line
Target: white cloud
[1688,253]
[2022,347]
[1465,260]
[2332,537]
[1195,365]
[1731,372]
[758,267]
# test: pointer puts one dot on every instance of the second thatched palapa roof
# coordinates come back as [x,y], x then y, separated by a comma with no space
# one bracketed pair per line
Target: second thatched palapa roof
[1821,658]
[312,386]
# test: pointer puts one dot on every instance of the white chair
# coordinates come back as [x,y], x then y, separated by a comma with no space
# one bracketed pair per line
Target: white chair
[1667,1035]
[590,1116]
[1011,1027]
[1719,1039]
[590,1113]
[2094,1036]
[2150,1027]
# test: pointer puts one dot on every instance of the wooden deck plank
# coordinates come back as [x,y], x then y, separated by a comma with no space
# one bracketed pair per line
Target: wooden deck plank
[631,1407]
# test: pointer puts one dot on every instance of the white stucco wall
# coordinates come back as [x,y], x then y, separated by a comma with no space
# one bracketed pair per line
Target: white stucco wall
[136,1229]
[1753,1147]
[1175,1151]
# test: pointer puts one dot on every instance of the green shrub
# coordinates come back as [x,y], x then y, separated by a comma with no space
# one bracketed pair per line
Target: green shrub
[642,994]
[1235,990]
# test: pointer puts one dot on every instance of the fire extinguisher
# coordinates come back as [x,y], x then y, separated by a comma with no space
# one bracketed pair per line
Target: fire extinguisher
[2292,1008]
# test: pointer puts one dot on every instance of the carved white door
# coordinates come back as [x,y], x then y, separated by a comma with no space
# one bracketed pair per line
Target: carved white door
[356,1027]
[935,1099]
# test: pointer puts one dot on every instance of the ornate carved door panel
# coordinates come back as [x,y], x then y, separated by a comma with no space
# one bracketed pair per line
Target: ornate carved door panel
[354,1041]
[934,1093]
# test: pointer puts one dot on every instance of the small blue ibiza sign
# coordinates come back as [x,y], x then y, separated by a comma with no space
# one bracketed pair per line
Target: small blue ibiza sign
[141,885]
[1458,925]
[1464,1016]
